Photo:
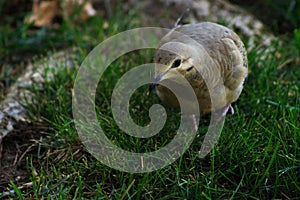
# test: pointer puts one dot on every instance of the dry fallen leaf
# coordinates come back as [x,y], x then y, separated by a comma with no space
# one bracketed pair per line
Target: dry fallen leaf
[43,12]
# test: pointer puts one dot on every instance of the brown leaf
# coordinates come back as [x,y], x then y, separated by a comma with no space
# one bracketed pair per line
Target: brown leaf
[70,7]
[43,12]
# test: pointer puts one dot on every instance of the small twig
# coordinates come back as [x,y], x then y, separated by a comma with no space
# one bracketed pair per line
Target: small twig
[16,156]
[288,61]
[12,191]
[181,17]
[24,153]
[193,178]
[127,190]
[278,104]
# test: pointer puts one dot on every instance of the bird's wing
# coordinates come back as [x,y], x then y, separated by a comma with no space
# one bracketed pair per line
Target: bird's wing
[238,63]
[237,71]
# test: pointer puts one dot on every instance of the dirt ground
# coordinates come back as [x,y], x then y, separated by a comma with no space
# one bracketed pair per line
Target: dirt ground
[15,150]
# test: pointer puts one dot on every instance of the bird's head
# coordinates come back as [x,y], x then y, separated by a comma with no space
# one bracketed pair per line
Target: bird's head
[177,64]
[173,58]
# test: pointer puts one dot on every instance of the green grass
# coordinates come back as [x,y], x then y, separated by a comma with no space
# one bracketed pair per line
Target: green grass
[257,155]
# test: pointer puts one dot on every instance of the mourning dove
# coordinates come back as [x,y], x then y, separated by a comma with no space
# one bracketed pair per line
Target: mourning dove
[209,56]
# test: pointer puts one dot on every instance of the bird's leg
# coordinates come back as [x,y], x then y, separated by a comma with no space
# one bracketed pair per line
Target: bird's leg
[223,111]
[195,125]
[190,123]
[231,109]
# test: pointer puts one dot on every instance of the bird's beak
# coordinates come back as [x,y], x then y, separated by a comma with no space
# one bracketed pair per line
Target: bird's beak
[155,81]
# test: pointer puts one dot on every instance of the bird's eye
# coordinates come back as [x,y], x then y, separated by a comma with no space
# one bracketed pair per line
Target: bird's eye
[176,63]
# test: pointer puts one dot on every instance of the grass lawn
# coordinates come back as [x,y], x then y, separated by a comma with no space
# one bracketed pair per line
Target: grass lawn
[257,155]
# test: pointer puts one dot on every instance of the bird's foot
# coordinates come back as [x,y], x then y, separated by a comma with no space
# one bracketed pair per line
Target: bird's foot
[219,114]
[190,123]
[195,125]
[227,109]
[231,109]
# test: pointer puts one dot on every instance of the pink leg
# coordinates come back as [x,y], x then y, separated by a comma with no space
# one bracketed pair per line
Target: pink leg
[231,109]
[226,109]
[222,112]
[195,122]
